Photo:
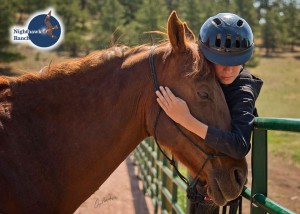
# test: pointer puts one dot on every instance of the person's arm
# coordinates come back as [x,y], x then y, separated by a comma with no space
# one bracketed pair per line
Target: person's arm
[235,143]
[178,111]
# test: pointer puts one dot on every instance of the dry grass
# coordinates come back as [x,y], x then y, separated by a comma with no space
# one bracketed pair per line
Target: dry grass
[280,97]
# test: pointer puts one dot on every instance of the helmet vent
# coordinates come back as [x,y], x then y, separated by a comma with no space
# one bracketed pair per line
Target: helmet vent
[237,42]
[244,43]
[239,23]
[217,21]
[228,41]
[218,40]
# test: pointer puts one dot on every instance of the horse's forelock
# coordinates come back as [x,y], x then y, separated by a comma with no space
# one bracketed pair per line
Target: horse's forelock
[202,68]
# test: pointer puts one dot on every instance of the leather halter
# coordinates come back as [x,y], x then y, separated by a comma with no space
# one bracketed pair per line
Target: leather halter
[191,190]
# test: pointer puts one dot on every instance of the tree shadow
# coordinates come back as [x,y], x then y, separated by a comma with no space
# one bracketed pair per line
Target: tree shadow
[272,56]
[140,204]
[297,57]
[10,56]
[7,71]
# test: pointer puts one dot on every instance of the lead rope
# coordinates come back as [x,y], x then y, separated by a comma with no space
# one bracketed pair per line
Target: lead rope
[155,83]
[235,206]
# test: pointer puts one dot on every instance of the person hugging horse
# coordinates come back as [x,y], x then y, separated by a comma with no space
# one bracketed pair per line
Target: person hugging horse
[226,40]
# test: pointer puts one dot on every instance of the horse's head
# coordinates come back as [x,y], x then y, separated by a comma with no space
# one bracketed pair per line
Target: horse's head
[192,78]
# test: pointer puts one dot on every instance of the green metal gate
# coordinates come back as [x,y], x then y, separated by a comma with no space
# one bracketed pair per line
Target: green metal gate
[160,181]
[167,191]
[259,190]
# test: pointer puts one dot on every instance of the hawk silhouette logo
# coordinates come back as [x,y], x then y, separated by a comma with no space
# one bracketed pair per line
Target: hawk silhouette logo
[49,26]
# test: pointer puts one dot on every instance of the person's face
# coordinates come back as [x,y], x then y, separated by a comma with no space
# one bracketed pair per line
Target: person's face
[227,74]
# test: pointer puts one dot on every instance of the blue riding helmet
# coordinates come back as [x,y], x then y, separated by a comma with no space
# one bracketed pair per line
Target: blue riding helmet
[226,39]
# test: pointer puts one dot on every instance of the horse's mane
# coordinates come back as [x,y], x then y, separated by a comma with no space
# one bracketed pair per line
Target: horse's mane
[201,67]
[93,60]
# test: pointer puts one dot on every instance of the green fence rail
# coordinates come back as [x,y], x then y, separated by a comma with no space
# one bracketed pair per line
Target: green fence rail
[167,191]
[259,190]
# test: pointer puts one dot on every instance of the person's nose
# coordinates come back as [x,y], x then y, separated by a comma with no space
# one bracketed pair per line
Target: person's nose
[228,69]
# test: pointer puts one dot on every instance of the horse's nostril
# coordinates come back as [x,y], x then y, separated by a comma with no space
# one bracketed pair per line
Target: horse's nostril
[238,175]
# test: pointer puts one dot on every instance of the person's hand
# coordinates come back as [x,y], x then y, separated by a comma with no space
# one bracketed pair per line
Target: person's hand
[174,107]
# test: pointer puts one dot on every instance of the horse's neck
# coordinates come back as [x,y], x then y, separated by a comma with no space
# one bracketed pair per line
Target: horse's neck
[122,101]
[124,94]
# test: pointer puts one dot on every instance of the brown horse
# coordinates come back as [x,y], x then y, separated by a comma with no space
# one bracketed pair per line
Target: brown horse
[64,130]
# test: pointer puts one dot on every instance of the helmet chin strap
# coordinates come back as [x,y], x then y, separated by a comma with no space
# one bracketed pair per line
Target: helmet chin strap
[242,68]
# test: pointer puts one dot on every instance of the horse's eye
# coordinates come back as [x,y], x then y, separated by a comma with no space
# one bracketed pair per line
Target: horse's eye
[203,94]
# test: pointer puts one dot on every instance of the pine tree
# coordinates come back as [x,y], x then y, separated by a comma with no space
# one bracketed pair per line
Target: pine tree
[273,30]
[221,6]
[73,43]
[74,20]
[152,16]
[192,14]
[130,9]
[112,16]
[246,10]
[292,24]
[172,5]
[95,7]
[31,6]
[7,18]
[109,27]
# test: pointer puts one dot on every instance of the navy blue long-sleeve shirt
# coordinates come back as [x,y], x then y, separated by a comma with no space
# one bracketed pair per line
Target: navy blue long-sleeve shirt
[240,96]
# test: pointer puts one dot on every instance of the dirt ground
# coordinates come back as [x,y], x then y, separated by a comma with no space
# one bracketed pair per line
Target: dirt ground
[121,193]
[283,184]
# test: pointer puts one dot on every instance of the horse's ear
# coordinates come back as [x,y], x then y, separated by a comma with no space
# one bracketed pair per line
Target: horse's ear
[188,32]
[176,33]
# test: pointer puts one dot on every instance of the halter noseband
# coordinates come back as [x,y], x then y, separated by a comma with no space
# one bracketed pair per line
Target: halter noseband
[191,190]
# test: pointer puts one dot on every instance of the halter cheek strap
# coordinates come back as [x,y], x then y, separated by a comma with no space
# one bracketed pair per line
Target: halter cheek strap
[191,190]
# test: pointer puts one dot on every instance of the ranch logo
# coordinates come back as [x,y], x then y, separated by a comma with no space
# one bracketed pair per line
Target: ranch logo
[44,31]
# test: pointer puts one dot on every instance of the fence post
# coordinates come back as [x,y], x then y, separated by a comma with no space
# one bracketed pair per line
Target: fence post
[188,202]
[174,190]
[164,185]
[158,176]
[259,159]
